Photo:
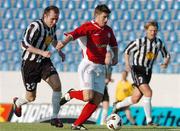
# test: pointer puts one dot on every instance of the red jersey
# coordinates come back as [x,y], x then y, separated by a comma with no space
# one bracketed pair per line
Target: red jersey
[93,40]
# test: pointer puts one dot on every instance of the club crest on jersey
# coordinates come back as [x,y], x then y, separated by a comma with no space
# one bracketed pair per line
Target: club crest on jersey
[150,55]
[48,40]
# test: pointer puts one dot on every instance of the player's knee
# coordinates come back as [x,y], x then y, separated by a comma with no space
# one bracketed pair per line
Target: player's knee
[57,88]
[31,98]
[135,100]
[88,98]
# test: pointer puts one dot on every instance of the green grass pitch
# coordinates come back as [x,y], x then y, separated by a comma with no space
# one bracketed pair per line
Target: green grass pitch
[47,127]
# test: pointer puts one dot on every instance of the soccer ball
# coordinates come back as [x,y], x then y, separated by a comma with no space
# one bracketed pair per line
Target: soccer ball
[114,122]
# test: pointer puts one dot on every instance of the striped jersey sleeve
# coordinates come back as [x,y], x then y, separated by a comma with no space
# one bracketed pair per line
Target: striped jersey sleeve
[132,46]
[163,50]
[30,34]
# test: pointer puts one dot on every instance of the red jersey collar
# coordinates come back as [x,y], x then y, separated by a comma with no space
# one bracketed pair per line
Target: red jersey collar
[96,24]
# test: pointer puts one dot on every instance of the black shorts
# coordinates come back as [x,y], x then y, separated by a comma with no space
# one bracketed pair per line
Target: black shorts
[33,72]
[106,95]
[141,75]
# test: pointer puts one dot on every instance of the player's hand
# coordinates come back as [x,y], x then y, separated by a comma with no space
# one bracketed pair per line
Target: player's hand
[59,45]
[62,55]
[114,61]
[46,54]
[164,65]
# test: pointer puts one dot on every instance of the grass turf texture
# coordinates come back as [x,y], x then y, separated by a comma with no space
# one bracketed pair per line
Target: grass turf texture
[67,127]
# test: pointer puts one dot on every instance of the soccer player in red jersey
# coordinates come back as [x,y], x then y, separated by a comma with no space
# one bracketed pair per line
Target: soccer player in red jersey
[93,37]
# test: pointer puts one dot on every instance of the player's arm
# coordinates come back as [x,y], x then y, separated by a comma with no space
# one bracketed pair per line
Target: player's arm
[38,51]
[64,42]
[61,54]
[166,56]
[130,48]
[114,48]
[166,62]
[115,58]
[127,63]
[108,74]
[78,32]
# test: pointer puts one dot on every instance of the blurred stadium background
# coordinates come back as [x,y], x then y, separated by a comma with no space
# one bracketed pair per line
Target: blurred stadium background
[127,20]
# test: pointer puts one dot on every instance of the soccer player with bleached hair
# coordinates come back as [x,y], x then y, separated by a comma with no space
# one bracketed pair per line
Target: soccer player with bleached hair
[143,52]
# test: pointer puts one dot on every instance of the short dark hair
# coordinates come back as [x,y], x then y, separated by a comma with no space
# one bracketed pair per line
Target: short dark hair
[49,8]
[151,23]
[102,8]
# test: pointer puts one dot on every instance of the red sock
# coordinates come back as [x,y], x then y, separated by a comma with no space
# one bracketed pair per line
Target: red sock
[87,111]
[76,94]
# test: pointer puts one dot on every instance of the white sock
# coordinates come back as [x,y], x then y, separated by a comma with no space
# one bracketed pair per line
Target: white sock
[56,96]
[103,116]
[21,101]
[126,102]
[147,108]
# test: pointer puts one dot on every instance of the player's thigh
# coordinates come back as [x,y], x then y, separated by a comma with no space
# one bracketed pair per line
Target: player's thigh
[54,82]
[136,96]
[84,76]
[97,98]
[30,75]
[50,75]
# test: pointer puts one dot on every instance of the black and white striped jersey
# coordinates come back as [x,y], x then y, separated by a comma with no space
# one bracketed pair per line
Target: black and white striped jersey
[144,51]
[38,35]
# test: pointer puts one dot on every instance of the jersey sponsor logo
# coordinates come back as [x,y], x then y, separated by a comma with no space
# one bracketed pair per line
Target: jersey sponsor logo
[101,45]
[48,40]
[150,55]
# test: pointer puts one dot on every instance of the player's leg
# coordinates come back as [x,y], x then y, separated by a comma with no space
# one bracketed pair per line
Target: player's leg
[146,90]
[55,84]
[136,96]
[105,106]
[144,87]
[19,101]
[86,93]
[129,116]
[88,109]
[94,79]
[50,75]
[30,80]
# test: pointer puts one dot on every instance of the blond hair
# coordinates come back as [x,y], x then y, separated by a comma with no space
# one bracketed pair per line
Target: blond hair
[151,23]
